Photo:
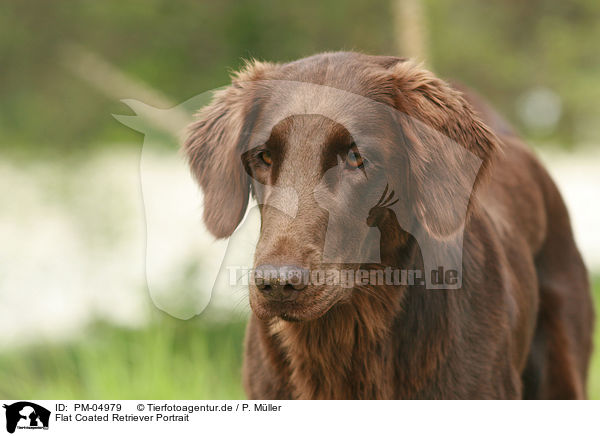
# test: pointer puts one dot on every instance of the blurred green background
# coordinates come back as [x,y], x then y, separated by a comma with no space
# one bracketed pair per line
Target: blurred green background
[536,61]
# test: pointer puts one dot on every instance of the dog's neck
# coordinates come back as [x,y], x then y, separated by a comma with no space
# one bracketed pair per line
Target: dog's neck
[345,353]
[353,349]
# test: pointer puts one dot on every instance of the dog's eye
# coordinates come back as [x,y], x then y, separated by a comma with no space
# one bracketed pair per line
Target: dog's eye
[265,157]
[354,160]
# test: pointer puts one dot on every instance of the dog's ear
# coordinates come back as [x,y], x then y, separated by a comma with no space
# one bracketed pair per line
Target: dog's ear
[449,149]
[214,147]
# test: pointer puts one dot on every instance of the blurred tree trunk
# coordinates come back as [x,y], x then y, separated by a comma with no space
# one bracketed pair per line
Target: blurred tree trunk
[410,29]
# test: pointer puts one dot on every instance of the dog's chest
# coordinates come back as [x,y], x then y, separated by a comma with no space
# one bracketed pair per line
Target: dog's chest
[327,365]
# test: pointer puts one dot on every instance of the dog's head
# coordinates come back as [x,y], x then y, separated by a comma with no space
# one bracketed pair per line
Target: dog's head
[337,149]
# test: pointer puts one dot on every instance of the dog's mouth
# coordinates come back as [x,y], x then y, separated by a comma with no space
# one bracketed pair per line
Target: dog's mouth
[286,310]
[292,305]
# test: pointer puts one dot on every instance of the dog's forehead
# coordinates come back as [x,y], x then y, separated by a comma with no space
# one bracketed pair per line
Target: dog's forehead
[348,112]
[304,128]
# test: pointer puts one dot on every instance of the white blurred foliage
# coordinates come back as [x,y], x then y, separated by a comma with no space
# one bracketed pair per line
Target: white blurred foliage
[73,245]
[540,108]
[70,247]
[578,180]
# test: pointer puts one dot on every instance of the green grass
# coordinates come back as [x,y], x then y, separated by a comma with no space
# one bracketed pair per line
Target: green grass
[169,359]
[594,374]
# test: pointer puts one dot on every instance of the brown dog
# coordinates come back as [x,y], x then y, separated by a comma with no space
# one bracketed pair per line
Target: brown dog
[363,163]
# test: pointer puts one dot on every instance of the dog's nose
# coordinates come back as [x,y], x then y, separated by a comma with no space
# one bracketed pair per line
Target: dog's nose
[280,281]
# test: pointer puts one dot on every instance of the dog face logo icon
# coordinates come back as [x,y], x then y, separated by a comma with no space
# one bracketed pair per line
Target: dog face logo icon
[26,415]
